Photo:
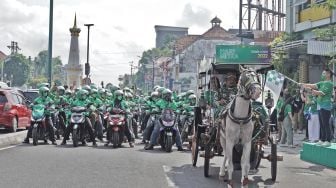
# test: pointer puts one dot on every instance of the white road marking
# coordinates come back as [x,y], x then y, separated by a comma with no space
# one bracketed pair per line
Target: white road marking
[9,147]
[167,169]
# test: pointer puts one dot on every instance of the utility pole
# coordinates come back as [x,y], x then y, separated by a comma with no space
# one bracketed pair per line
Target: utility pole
[132,67]
[51,8]
[14,47]
[87,64]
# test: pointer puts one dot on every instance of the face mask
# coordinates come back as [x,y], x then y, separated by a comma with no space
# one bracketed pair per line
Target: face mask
[119,98]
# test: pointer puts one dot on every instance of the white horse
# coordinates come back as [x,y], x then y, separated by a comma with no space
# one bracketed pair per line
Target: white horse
[237,126]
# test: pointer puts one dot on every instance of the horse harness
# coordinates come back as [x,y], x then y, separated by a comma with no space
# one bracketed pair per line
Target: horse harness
[229,112]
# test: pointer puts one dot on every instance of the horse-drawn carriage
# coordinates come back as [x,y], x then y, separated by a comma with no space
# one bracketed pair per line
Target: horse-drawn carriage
[217,121]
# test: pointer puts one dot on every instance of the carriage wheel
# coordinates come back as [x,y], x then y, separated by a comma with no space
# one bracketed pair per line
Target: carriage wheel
[207,151]
[194,148]
[273,161]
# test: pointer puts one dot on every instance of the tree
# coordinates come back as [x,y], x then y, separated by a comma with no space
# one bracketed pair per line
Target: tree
[17,69]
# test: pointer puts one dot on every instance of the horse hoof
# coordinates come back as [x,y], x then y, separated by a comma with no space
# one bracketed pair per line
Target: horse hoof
[245,181]
[230,183]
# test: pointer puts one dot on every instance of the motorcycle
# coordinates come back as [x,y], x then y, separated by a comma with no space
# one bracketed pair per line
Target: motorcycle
[38,121]
[116,123]
[186,132]
[167,130]
[77,121]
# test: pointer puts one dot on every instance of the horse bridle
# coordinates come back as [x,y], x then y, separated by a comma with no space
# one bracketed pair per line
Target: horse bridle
[244,90]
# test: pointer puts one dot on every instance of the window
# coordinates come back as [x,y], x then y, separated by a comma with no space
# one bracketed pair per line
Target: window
[3,98]
[15,98]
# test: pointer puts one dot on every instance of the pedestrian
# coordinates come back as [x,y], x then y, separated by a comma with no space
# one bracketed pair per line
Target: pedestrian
[287,127]
[311,114]
[323,90]
[297,113]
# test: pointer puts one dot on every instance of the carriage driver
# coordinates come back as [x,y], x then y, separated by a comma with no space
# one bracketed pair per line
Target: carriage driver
[229,88]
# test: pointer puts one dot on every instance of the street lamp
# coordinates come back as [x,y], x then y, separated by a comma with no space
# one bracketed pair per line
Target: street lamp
[87,65]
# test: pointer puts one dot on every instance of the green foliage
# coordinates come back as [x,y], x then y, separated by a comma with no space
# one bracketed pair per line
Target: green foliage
[18,66]
[148,57]
[328,4]
[326,33]
[37,80]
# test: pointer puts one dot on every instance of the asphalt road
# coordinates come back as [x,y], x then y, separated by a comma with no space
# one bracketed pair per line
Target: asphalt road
[86,166]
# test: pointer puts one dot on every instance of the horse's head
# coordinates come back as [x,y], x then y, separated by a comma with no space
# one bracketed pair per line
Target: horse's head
[248,84]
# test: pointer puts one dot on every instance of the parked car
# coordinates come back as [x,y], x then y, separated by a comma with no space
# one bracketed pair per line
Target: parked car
[14,110]
[31,94]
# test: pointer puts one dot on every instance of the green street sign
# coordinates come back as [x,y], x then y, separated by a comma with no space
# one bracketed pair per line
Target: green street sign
[243,54]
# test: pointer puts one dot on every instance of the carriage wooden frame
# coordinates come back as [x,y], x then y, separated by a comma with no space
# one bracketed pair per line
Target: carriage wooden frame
[205,135]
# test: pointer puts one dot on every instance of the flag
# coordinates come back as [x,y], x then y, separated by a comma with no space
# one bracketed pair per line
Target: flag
[274,83]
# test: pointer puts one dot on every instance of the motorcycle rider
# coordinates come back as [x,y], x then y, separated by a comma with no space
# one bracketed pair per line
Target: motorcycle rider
[165,103]
[95,117]
[60,102]
[151,110]
[81,100]
[45,100]
[120,103]
[132,116]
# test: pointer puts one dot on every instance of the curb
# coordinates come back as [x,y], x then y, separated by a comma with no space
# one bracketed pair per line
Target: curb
[12,138]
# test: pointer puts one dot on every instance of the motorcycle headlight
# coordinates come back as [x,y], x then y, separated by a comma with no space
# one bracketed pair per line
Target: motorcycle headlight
[168,123]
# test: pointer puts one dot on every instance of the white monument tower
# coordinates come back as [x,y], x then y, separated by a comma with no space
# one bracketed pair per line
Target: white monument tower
[74,69]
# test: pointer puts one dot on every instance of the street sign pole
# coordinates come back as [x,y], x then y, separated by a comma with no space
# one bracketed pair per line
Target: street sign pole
[50,41]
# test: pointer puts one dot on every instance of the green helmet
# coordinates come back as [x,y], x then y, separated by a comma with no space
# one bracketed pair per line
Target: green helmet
[44,91]
[128,95]
[43,85]
[118,93]
[189,92]
[86,87]
[155,87]
[109,94]
[127,89]
[102,91]
[61,90]
[82,93]
[93,86]
[68,92]
[94,91]
[167,94]
[155,94]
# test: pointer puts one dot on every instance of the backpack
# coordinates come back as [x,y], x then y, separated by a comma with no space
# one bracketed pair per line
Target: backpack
[281,116]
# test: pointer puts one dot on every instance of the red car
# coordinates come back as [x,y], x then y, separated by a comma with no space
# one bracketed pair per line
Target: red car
[14,112]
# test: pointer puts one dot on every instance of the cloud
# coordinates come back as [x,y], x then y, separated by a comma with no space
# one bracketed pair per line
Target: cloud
[194,16]
[122,30]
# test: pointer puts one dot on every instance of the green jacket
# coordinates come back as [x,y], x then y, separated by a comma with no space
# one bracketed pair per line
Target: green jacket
[163,104]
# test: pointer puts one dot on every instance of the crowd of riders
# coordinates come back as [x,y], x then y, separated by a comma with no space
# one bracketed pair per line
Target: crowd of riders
[143,113]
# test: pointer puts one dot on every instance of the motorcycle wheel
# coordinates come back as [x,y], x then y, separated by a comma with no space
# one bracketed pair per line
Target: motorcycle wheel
[168,143]
[135,128]
[184,134]
[35,136]
[115,139]
[207,151]
[75,137]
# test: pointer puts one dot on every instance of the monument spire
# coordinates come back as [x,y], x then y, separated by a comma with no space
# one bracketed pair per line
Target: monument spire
[74,69]
[75,30]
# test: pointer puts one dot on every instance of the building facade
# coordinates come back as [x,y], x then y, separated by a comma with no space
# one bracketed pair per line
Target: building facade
[168,33]
[309,55]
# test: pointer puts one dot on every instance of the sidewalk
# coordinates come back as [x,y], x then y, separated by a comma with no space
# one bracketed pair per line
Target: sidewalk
[9,139]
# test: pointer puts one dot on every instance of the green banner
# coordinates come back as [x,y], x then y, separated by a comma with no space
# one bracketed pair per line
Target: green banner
[243,54]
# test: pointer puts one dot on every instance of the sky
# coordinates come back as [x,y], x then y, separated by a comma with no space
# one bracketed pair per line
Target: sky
[122,29]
